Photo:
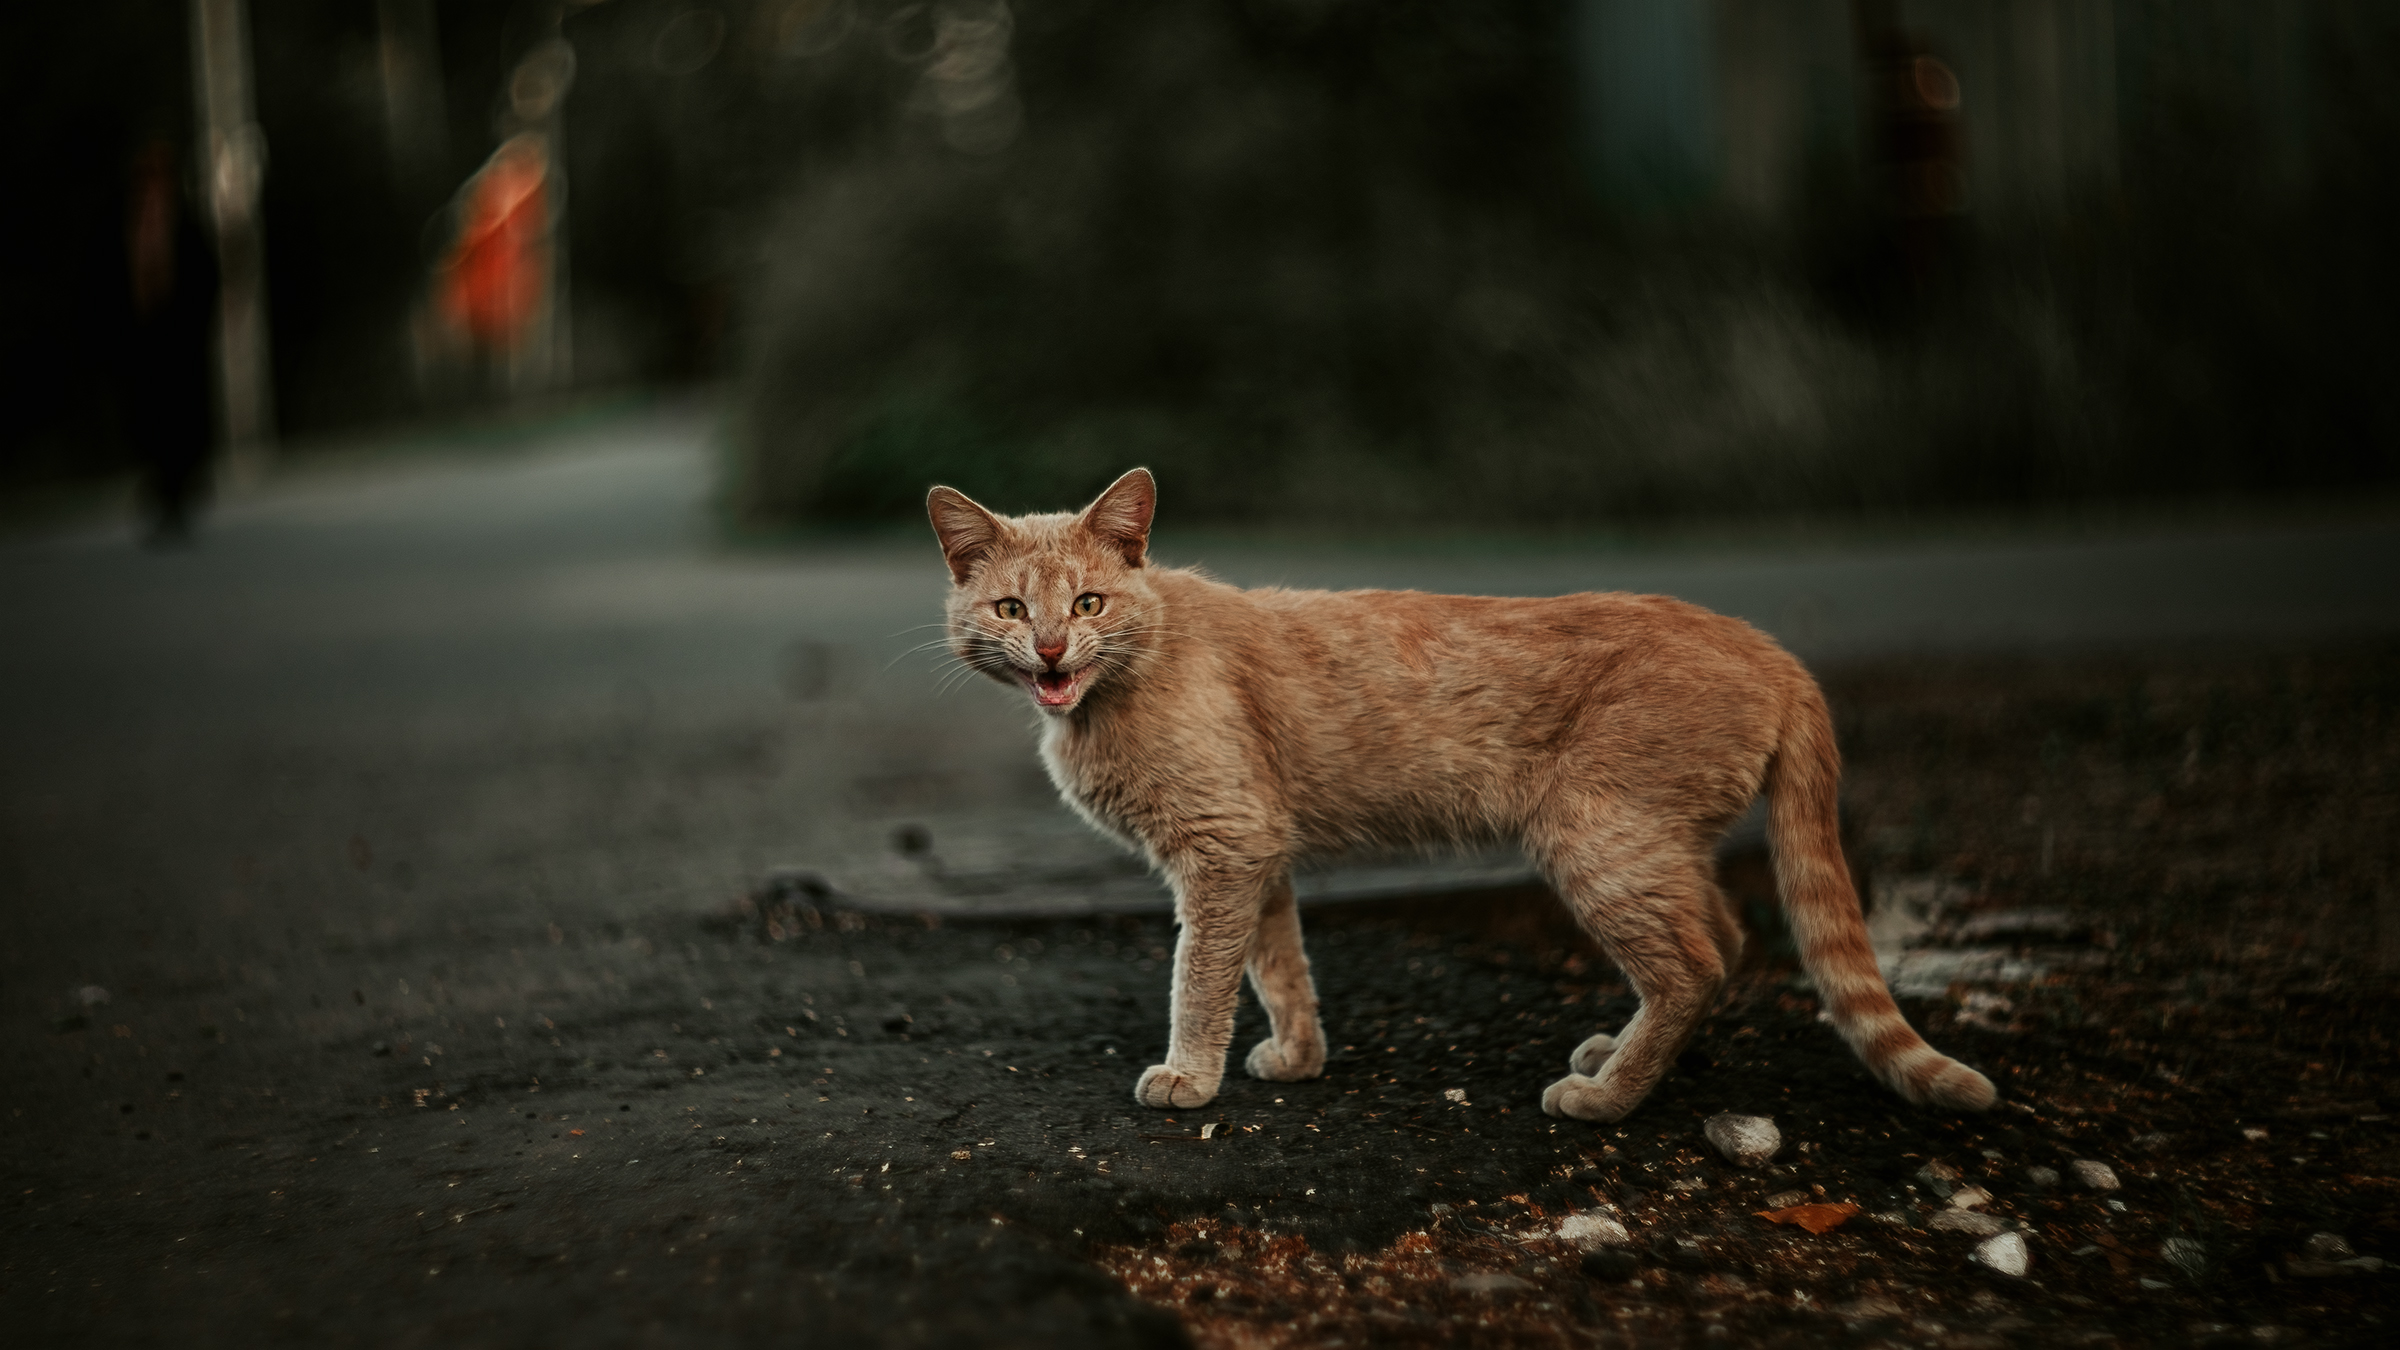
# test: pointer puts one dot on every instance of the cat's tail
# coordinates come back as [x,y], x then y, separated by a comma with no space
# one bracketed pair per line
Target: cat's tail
[1804,829]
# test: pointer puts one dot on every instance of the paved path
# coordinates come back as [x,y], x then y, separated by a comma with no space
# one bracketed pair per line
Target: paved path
[556,625]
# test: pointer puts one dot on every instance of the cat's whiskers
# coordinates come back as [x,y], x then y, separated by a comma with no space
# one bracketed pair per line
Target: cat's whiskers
[944,671]
[980,661]
[956,679]
[966,654]
[942,643]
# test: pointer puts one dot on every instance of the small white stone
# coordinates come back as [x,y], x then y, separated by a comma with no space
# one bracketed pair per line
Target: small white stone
[1593,1229]
[1458,1095]
[1746,1141]
[1491,1284]
[2093,1176]
[2005,1253]
[2185,1255]
[1970,1197]
[1966,1221]
[2326,1247]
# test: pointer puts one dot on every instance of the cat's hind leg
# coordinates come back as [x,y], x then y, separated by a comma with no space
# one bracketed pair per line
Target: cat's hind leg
[1725,928]
[1295,1045]
[1654,911]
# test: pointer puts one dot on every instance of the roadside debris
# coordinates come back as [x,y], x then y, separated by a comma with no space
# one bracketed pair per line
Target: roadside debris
[1593,1229]
[1939,1177]
[2093,1176]
[1491,1285]
[1814,1218]
[2329,1256]
[1966,1221]
[2006,1253]
[1746,1141]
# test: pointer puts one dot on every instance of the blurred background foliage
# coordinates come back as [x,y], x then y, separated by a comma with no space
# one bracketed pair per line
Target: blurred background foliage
[1519,261]
[1394,261]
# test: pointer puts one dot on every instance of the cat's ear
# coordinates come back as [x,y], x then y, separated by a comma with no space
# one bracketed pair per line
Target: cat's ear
[967,531]
[1121,515]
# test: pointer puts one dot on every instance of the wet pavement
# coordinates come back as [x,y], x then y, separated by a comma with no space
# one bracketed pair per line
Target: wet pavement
[383,960]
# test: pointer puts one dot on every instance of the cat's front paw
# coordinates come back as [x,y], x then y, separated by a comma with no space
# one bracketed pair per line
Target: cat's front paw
[1590,1055]
[1581,1098]
[1165,1089]
[1280,1064]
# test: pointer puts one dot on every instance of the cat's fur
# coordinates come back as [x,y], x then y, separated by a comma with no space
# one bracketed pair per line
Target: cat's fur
[1228,732]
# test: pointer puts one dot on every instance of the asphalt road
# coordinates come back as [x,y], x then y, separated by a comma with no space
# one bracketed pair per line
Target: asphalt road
[372,967]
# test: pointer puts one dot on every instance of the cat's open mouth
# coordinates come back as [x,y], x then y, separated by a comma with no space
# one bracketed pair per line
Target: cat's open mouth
[1057,688]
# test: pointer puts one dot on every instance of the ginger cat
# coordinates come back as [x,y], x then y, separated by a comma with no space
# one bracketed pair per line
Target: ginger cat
[1227,732]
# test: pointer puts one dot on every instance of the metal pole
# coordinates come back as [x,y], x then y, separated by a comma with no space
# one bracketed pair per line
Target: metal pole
[233,163]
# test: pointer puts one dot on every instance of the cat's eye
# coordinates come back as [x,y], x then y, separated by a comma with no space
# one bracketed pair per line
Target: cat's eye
[1087,605]
[1010,609]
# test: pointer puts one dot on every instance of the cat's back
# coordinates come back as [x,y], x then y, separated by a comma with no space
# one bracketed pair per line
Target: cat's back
[1497,641]
[1387,672]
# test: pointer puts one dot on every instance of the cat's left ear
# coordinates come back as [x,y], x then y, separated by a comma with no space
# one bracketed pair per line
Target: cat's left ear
[1121,515]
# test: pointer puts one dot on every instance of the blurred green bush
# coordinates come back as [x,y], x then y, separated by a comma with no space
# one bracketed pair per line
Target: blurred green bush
[1339,262]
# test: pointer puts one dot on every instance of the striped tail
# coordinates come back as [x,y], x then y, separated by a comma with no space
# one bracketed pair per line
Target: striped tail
[1803,828]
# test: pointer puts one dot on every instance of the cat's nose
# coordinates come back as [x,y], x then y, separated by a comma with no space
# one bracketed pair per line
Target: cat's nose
[1050,654]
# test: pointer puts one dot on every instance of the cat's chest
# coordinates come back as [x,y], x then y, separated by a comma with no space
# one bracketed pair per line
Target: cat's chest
[1100,782]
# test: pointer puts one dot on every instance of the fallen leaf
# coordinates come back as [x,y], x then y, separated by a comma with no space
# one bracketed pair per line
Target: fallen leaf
[577,1133]
[1814,1218]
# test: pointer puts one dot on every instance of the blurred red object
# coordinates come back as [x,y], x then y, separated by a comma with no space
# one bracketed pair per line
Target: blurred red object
[495,279]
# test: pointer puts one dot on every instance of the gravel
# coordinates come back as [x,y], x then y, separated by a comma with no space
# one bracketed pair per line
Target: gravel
[2327,1247]
[1611,1264]
[2006,1253]
[1593,1229]
[1492,1285]
[2093,1176]
[1967,1221]
[1746,1141]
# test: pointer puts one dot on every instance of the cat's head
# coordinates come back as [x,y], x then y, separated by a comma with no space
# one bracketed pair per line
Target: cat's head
[1060,605]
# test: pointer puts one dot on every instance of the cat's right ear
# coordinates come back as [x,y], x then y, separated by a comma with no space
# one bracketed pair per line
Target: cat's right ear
[1121,515]
[967,531]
